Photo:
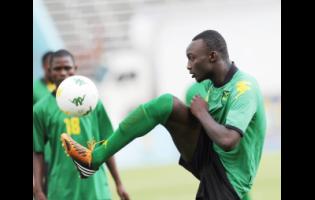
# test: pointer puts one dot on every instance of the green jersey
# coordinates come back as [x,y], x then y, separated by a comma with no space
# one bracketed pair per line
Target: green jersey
[63,179]
[238,105]
[41,89]
[196,89]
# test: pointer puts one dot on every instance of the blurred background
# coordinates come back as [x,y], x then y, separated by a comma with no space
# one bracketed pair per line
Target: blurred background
[134,50]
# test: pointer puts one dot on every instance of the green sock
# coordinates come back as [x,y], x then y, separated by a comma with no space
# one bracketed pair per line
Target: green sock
[138,123]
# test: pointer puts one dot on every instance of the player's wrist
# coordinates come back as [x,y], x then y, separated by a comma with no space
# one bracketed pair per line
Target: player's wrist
[118,183]
[38,189]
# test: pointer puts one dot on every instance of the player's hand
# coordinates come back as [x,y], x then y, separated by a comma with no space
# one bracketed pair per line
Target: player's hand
[198,106]
[40,196]
[122,192]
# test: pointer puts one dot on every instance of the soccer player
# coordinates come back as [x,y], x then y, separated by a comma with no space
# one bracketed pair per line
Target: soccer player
[44,85]
[198,88]
[48,124]
[220,137]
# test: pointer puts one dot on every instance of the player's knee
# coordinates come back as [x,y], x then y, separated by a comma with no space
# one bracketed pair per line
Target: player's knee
[160,107]
[174,104]
[165,99]
[178,106]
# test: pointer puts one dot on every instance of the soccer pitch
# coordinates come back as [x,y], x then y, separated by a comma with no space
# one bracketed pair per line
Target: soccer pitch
[172,182]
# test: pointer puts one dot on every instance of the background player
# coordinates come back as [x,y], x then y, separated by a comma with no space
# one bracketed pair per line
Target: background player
[49,122]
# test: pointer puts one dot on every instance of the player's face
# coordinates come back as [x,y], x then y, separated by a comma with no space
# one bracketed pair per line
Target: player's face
[198,60]
[61,68]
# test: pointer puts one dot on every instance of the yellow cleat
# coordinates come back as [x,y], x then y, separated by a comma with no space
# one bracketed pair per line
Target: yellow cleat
[80,155]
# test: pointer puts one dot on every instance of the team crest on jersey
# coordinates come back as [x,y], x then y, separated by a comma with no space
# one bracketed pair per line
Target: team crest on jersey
[242,87]
[225,96]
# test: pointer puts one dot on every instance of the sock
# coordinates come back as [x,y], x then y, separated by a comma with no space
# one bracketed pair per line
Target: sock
[138,123]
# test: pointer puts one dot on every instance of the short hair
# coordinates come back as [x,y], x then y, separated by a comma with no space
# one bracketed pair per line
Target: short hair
[214,42]
[46,55]
[61,53]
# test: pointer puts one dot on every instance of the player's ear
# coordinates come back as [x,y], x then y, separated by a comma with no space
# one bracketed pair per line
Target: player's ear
[213,56]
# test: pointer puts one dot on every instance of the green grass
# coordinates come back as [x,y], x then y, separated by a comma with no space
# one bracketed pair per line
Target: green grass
[173,182]
[267,184]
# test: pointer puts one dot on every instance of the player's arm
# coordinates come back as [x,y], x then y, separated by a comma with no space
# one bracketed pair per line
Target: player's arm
[38,156]
[111,164]
[243,106]
[38,170]
[224,137]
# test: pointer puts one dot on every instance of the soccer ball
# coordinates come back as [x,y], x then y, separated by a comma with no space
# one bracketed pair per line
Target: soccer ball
[77,96]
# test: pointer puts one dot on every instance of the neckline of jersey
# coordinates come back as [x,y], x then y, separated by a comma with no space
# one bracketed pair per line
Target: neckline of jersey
[233,69]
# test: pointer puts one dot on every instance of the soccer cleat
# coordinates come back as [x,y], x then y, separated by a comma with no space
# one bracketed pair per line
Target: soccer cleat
[80,155]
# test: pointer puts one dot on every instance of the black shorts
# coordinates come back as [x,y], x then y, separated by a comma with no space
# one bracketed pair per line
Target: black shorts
[207,167]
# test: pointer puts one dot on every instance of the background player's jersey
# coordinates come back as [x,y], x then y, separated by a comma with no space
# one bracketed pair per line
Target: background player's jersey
[238,105]
[63,179]
[41,89]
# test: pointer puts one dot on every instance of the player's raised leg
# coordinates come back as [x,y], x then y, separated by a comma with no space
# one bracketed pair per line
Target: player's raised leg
[166,110]
[184,129]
